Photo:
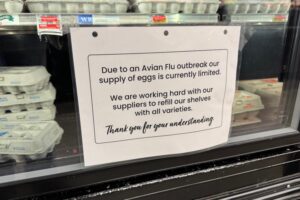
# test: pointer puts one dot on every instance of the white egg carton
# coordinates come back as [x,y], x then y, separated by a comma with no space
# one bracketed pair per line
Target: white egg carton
[269,90]
[24,158]
[2,6]
[45,95]
[31,114]
[16,80]
[11,6]
[176,6]
[246,107]
[22,141]
[25,107]
[78,6]
[257,6]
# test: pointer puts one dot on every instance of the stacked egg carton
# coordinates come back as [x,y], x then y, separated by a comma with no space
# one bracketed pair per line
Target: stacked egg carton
[246,108]
[2,6]
[11,6]
[78,6]
[270,91]
[257,6]
[176,6]
[26,110]
[28,140]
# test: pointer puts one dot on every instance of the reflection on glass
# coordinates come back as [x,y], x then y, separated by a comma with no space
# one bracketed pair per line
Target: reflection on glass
[257,101]
[38,127]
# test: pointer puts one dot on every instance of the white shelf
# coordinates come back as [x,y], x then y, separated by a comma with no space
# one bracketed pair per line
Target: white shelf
[110,19]
[256,18]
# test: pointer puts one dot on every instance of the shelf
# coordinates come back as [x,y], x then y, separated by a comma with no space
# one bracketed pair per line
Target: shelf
[9,24]
[109,19]
[257,18]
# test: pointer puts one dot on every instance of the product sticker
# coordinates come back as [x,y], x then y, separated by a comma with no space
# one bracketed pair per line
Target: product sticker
[49,25]
[159,19]
[280,18]
[9,20]
[153,91]
[85,19]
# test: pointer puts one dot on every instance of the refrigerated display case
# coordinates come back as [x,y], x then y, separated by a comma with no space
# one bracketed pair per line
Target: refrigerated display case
[40,135]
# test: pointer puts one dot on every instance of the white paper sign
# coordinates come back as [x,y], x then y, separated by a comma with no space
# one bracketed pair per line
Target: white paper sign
[153,91]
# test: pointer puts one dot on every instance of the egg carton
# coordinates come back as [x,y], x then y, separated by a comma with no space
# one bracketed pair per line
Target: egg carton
[16,80]
[11,6]
[270,114]
[39,114]
[24,158]
[78,6]
[32,157]
[31,89]
[271,96]
[45,95]
[269,90]
[257,6]
[2,6]
[176,6]
[245,122]
[246,108]
[29,140]
[25,107]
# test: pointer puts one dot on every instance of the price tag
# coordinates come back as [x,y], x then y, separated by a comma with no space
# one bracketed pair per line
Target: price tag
[159,19]
[49,25]
[279,18]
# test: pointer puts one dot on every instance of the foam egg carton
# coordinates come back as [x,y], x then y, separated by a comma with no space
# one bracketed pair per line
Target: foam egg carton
[45,95]
[269,90]
[11,6]
[257,6]
[16,80]
[24,158]
[176,6]
[31,114]
[2,6]
[25,107]
[246,107]
[23,141]
[78,6]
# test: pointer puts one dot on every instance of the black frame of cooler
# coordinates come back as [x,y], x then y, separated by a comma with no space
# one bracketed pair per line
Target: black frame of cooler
[109,179]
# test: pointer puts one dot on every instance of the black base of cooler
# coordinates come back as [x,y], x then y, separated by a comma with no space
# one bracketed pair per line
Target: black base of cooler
[210,180]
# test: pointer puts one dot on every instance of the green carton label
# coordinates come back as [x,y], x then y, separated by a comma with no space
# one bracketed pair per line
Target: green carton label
[6,17]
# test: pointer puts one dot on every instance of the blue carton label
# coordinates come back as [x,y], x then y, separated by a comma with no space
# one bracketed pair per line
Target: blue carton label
[34,97]
[2,133]
[3,99]
[85,19]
